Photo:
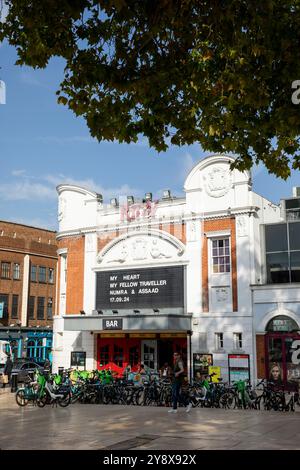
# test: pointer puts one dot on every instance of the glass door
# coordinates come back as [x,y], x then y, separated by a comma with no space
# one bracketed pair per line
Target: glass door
[149,354]
[283,359]
[275,359]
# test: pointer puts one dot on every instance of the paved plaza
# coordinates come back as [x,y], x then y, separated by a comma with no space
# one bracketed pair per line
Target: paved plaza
[93,427]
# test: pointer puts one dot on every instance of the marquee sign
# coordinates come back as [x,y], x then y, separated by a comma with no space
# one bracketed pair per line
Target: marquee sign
[140,288]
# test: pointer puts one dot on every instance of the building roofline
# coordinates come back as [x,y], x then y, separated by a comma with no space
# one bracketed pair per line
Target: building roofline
[28,226]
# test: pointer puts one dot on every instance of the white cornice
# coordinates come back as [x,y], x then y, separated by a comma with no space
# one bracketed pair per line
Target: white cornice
[76,189]
[222,214]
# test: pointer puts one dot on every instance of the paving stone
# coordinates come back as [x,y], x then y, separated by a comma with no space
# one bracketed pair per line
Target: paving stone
[131,427]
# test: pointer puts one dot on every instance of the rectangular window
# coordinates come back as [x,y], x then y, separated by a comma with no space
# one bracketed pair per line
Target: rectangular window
[33,273]
[277,268]
[219,342]
[295,266]
[294,236]
[41,308]
[31,304]
[276,237]
[5,270]
[42,274]
[4,306]
[51,276]
[221,255]
[237,341]
[14,309]
[282,252]
[49,308]
[16,273]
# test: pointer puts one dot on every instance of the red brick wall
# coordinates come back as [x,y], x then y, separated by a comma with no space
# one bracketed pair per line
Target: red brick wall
[39,289]
[75,272]
[17,240]
[215,226]
[30,239]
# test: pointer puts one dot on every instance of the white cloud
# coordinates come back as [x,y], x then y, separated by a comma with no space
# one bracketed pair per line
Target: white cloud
[27,77]
[26,190]
[43,187]
[18,172]
[90,184]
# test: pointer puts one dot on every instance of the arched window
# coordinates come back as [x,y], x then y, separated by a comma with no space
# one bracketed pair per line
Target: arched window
[282,324]
[30,348]
[39,349]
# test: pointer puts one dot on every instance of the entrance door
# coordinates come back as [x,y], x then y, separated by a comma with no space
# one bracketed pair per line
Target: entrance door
[283,358]
[149,353]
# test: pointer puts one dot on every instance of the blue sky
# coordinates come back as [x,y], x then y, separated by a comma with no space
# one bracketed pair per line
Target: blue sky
[43,144]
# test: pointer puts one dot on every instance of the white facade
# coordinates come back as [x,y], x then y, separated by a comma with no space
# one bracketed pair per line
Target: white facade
[155,239]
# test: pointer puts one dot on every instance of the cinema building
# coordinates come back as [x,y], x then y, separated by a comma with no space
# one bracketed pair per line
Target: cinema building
[138,280]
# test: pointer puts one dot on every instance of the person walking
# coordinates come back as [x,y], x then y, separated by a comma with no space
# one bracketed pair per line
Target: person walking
[8,369]
[178,377]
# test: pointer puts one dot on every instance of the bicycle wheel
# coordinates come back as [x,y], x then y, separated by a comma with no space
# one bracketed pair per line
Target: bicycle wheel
[21,397]
[139,397]
[65,401]
[106,394]
[41,401]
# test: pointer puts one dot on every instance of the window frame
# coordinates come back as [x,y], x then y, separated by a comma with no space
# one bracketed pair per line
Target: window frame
[33,268]
[15,313]
[237,341]
[17,271]
[6,305]
[219,256]
[38,317]
[51,279]
[219,341]
[8,263]
[29,305]
[42,279]
[288,253]
[48,303]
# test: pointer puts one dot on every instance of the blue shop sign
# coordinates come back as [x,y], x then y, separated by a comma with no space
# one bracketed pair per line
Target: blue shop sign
[1,309]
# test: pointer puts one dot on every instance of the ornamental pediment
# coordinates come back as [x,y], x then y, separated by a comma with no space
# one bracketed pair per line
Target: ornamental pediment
[141,248]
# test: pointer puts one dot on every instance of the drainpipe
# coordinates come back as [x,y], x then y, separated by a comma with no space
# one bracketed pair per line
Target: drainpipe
[190,364]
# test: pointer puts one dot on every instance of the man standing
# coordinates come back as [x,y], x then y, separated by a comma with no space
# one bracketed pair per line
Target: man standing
[7,369]
[178,377]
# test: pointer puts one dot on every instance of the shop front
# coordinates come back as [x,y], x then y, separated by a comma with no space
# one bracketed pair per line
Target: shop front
[117,351]
[26,343]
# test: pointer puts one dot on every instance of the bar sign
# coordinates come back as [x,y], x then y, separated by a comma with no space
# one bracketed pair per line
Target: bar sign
[113,324]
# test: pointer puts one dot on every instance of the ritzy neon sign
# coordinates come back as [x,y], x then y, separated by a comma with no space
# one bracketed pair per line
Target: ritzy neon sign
[137,211]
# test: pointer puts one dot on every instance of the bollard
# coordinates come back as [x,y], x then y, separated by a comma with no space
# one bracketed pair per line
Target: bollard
[60,371]
[14,382]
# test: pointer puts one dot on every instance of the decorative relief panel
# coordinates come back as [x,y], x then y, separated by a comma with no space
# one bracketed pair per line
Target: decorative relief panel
[140,249]
[222,294]
[90,241]
[191,231]
[242,226]
[217,181]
